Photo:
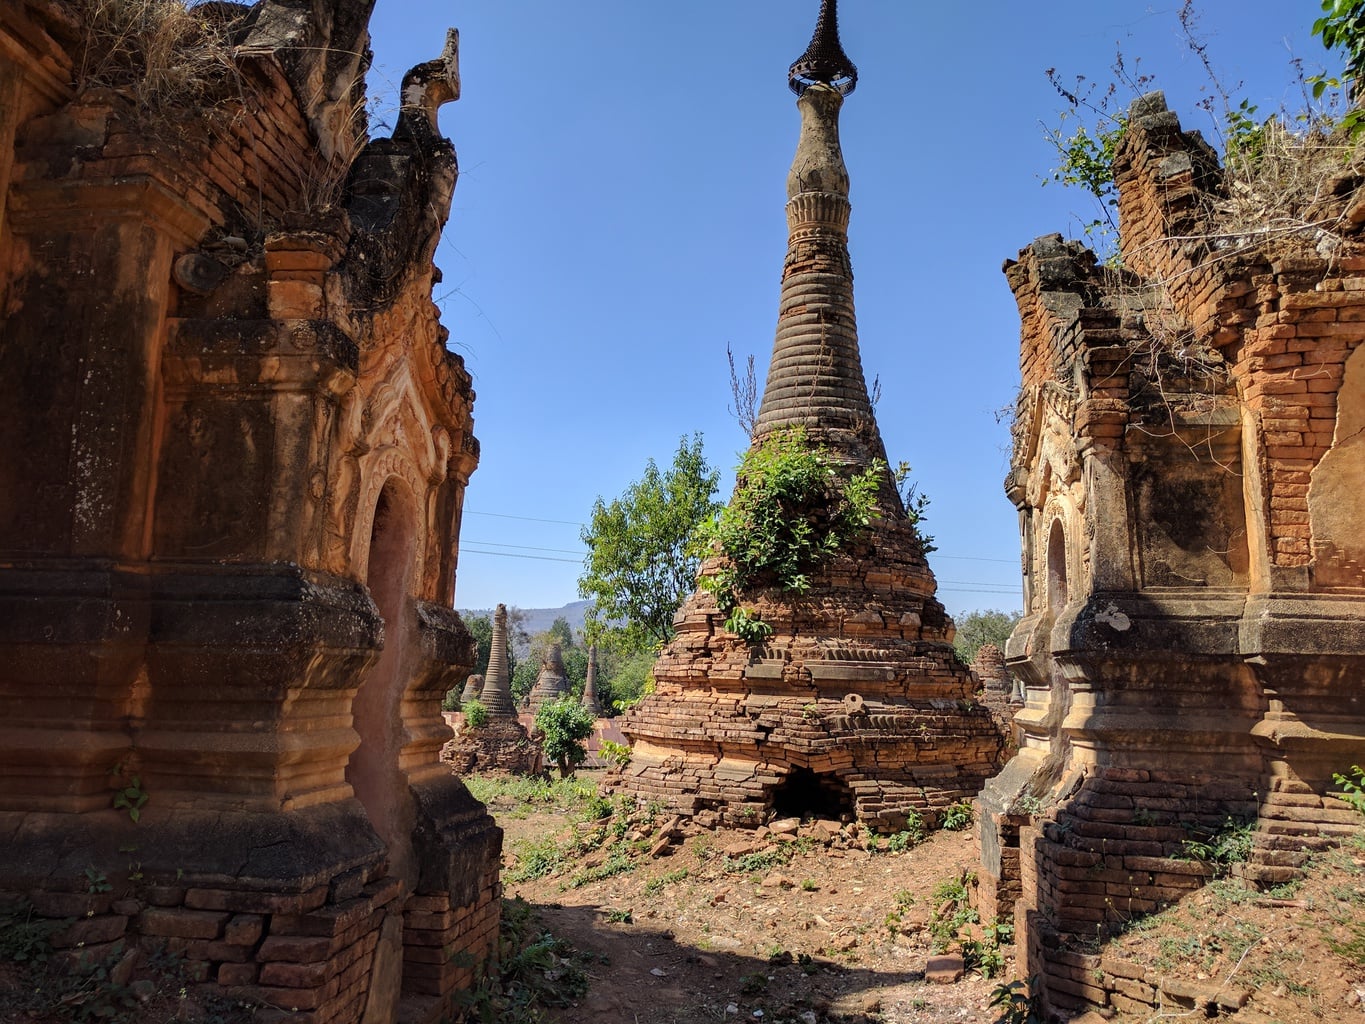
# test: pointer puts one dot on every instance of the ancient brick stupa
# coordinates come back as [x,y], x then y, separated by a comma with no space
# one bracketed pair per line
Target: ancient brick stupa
[501,744]
[552,682]
[855,706]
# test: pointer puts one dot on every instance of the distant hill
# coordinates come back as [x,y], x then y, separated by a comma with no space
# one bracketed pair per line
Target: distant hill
[540,619]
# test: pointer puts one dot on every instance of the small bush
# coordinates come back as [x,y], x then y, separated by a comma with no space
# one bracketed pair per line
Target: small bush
[1352,789]
[614,753]
[475,714]
[566,724]
[957,817]
[1229,844]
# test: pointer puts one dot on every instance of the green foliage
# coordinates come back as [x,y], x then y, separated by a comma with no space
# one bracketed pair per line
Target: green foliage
[614,753]
[957,817]
[985,626]
[761,860]
[566,724]
[792,509]
[533,969]
[1342,27]
[916,504]
[530,793]
[1228,844]
[1352,789]
[129,796]
[24,939]
[1018,1002]
[624,677]
[642,561]
[952,910]
[656,885]
[475,714]
[481,629]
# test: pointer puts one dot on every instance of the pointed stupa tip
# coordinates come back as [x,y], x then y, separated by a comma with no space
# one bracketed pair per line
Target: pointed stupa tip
[824,60]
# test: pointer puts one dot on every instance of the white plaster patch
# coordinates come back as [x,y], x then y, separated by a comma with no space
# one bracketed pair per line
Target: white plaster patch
[1111,616]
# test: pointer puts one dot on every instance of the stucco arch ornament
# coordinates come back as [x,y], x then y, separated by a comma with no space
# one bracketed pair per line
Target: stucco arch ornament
[391,436]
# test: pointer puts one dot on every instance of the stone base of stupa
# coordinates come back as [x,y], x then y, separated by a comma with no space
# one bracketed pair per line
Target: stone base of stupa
[856,708]
[501,746]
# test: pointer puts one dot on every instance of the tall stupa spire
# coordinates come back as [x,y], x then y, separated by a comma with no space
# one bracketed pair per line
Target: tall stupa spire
[815,378]
[497,686]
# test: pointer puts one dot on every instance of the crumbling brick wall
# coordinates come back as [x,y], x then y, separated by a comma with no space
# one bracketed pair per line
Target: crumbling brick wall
[1186,464]
[235,450]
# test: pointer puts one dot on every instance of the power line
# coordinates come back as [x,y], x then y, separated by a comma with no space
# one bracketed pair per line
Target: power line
[513,554]
[524,547]
[528,519]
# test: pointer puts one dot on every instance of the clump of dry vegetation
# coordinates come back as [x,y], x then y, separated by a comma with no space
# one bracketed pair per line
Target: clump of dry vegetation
[165,55]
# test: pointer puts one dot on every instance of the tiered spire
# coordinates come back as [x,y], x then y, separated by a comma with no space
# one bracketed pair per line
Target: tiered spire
[815,379]
[497,688]
[590,684]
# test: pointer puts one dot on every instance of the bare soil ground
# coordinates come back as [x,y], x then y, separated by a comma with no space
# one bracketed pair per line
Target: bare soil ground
[816,926]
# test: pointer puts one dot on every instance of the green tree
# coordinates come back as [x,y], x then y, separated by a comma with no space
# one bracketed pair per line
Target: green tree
[1343,28]
[640,563]
[986,626]
[481,628]
[623,677]
[565,724]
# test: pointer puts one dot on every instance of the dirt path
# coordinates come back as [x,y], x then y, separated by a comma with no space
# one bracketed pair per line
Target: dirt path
[803,927]
[813,927]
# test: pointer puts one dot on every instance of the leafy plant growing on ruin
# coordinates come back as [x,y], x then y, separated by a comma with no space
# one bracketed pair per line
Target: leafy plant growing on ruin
[1018,1002]
[957,817]
[614,753]
[1352,789]
[475,714]
[129,796]
[532,969]
[792,509]
[1275,164]
[1219,848]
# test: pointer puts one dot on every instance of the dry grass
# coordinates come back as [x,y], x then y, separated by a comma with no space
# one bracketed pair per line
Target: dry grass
[168,57]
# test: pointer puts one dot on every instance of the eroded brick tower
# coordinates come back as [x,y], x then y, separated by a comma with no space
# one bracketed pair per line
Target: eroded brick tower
[233,457]
[855,706]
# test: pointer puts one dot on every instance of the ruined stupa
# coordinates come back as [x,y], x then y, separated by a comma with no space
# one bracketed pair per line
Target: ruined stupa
[501,744]
[472,688]
[552,682]
[496,695]
[989,668]
[855,706]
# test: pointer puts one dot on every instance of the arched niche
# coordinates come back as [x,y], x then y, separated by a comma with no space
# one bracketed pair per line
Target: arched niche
[1057,596]
[373,771]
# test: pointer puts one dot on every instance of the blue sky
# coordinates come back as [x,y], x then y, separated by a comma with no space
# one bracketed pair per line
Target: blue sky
[619,220]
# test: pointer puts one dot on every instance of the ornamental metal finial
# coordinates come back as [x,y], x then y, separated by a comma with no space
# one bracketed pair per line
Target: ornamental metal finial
[824,60]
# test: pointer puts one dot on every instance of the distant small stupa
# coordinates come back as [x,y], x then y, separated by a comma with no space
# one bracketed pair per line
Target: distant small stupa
[590,700]
[552,683]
